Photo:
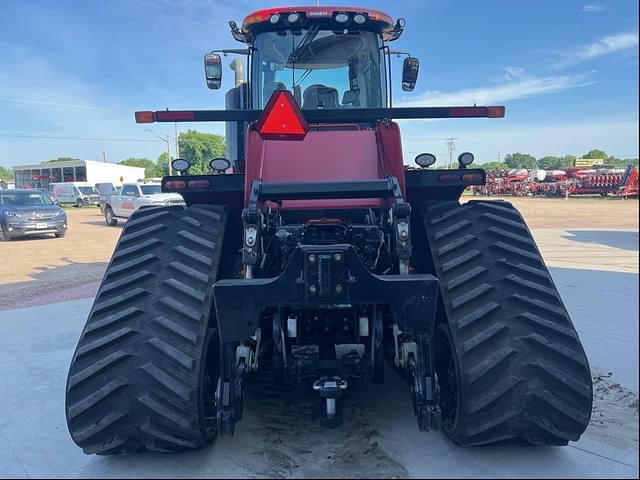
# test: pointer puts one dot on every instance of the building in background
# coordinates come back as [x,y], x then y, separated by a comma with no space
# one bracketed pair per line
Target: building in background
[587,162]
[42,174]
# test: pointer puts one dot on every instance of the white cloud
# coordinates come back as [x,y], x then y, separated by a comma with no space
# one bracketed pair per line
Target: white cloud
[516,84]
[52,104]
[604,46]
[593,7]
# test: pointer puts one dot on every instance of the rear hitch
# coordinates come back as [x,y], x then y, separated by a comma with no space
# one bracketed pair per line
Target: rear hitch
[321,276]
[330,389]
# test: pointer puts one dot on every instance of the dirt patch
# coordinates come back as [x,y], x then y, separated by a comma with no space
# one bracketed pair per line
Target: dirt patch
[614,419]
[89,241]
[46,269]
[294,443]
[581,212]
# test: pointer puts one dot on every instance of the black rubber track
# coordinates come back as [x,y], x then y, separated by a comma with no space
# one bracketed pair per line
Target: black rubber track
[522,374]
[137,378]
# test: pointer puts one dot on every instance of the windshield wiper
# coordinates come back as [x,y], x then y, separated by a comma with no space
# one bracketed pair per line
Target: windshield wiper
[303,76]
[304,43]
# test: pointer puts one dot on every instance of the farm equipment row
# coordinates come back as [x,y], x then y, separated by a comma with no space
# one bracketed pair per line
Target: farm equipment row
[616,182]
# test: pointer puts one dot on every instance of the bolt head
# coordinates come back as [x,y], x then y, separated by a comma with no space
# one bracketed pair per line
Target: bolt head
[312,258]
[313,289]
[337,257]
[339,288]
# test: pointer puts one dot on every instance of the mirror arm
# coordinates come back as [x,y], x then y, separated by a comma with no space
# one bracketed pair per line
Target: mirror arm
[234,51]
[398,53]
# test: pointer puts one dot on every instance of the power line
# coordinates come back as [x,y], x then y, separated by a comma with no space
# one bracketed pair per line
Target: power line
[61,137]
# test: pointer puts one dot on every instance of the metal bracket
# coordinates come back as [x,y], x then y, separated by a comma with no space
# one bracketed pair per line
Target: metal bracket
[425,392]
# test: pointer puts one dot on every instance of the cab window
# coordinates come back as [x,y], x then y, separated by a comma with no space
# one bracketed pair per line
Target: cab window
[130,191]
[321,68]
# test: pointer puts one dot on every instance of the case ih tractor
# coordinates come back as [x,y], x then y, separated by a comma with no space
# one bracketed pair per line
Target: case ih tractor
[311,251]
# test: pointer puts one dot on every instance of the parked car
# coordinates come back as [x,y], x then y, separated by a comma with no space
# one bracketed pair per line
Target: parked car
[135,196]
[105,191]
[30,212]
[77,193]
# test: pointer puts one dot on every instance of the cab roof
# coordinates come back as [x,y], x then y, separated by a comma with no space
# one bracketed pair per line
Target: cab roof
[261,19]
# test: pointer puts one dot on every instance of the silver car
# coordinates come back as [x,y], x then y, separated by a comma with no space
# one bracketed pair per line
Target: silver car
[30,212]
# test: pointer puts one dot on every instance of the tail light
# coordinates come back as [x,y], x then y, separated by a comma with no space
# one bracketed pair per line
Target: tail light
[449,177]
[198,184]
[472,178]
[175,184]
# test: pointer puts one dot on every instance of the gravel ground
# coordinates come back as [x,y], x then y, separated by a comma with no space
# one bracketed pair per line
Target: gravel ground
[41,270]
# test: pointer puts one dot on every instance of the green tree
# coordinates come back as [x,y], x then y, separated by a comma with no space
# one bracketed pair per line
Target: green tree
[6,173]
[567,161]
[200,148]
[520,160]
[596,154]
[162,164]
[62,159]
[151,168]
[550,161]
[493,166]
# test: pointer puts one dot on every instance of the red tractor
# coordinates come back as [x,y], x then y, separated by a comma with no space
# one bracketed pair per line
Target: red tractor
[311,251]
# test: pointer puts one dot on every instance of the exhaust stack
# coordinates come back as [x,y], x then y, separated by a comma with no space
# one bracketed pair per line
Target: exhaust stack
[238,68]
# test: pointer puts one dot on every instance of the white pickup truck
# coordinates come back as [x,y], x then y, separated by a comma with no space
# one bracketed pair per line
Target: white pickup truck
[134,196]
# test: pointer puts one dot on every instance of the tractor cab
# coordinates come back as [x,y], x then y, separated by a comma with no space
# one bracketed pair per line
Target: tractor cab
[326,57]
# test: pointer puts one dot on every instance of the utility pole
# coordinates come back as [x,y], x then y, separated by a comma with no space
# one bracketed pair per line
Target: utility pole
[451,146]
[177,143]
[104,157]
[169,152]
[499,156]
[168,142]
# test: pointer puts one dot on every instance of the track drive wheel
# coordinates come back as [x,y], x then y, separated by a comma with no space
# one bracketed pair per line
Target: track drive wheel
[510,364]
[144,373]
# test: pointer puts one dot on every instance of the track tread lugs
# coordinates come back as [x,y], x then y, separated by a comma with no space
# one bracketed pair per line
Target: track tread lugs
[135,377]
[524,377]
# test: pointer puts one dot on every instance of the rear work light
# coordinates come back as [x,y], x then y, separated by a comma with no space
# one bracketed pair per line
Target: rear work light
[282,119]
[359,18]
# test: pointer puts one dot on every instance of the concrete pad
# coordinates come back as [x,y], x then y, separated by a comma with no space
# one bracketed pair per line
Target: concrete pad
[604,309]
[613,250]
[279,436]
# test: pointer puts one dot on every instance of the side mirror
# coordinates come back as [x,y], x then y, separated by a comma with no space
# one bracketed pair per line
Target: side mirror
[213,70]
[410,73]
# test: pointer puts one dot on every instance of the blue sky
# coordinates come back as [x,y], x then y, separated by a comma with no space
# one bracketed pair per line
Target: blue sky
[566,70]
